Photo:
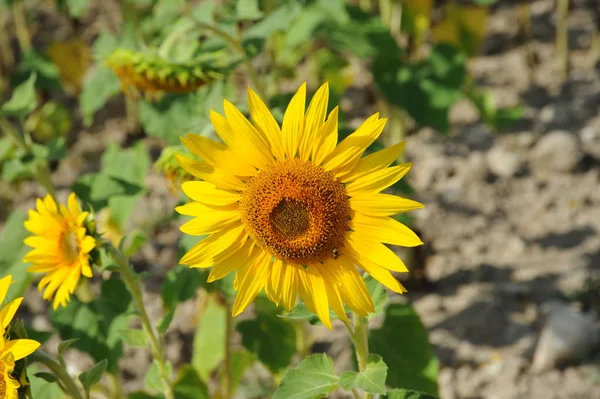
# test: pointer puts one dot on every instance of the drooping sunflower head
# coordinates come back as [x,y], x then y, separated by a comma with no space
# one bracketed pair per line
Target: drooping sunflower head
[61,247]
[10,350]
[149,73]
[293,212]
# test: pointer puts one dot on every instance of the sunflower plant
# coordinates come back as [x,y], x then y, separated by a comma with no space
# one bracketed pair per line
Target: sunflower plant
[186,177]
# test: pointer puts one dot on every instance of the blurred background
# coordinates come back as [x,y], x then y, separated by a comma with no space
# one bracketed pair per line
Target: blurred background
[499,103]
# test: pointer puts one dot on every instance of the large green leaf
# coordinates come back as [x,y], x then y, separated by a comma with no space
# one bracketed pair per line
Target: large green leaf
[188,385]
[372,379]
[209,345]
[96,324]
[98,88]
[408,394]
[403,343]
[378,294]
[23,100]
[48,74]
[97,188]
[181,284]
[12,251]
[41,389]
[270,338]
[314,377]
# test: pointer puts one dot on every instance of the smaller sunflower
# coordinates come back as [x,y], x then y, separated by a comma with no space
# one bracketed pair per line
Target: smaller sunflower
[61,247]
[11,350]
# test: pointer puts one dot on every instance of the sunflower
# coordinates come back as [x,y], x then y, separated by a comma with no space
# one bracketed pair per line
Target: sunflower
[61,247]
[291,210]
[11,350]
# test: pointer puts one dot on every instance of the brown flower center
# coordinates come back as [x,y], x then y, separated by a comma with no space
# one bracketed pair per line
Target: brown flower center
[296,211]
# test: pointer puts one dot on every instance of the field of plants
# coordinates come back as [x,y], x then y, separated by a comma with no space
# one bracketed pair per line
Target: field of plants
[299,199]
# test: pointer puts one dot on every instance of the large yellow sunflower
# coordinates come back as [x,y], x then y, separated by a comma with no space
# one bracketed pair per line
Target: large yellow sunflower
[11,350]
[61,247]
[291,210]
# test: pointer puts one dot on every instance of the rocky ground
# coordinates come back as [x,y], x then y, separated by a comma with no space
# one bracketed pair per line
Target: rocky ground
[511,225]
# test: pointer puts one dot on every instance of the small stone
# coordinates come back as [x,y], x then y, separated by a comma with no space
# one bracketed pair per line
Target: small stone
[557,151]
[479,137]
[590,140]
[568,337]
[503,163]
[475,168]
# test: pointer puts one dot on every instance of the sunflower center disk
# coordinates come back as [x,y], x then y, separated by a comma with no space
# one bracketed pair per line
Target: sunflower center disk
[69,246]
[296,211]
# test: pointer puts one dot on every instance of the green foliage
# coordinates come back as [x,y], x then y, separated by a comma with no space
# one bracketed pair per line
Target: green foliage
[92,376]
[403,344]
[313,378]
[40,386]
[48,74]
[372,379]
[98,88]
[270,338]
[96,325]
[209,346]
[77,7]
[23,100]
[408,394]
[12,251]
[378,294]
[188,385]
[134,338]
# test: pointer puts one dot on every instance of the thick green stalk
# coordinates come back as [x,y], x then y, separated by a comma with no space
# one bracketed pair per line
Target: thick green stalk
[136,292]
[54,366]
[226,377]
[359,335]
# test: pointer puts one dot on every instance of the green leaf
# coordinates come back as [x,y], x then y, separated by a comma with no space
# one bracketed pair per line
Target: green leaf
[314,377]
[48,377]
[484,2]
[152,380]
[129,164]
[97,188]
[240,361]
[188,385]
[92,376]
[276,21]
[506,117]
[77,7]
[204,12]
[97,323]
[371,380]
[48,74]
[56,149]
[133,242]
[64,345]
[23,100]
[408,394]
[12,251]
[209,346]
[301,312]
[270,338]
[247,10]
[98,88]
[378,294]
[41,388]
[403,343]
[143,395]
[180,285]
[134,338]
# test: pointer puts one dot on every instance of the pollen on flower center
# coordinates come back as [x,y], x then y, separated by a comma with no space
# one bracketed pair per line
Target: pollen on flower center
[296,211]
[69,245]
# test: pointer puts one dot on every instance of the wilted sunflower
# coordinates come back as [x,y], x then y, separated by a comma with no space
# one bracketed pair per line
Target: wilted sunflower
[291,210]
[61,247]
[11,350]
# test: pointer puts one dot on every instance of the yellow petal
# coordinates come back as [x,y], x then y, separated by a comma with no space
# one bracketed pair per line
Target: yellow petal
[249,136]
[66,288]
[238,141]
[212,245]
[218,176]
[377,272]
[254,280]
[293,122]
[216,154]
[289,286]
[235,258]
[318,292]
[375,251]
[384,229]
[373,162]
[333,293]
[377,181]
[208,222]
[20,348]
[314,119]
[328,136]
[273,287]
[353,289]
[347,154]
[265,121]
[8,312]
[382,204]
[5,282]
[207,193]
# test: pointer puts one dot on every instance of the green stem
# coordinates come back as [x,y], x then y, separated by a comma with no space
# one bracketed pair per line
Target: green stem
[59,371]
[360,339]
[355,393]
[226,377]
[136,292]
[237,46]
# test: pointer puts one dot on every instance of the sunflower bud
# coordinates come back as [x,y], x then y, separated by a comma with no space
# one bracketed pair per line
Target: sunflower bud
[167,165]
